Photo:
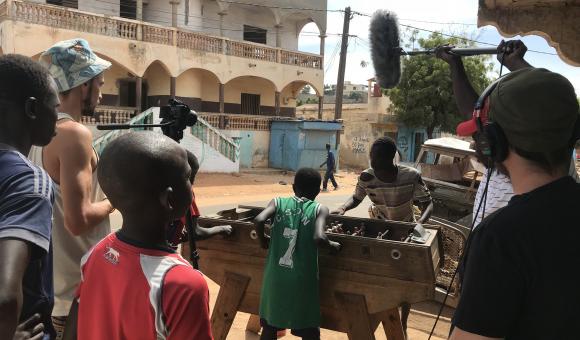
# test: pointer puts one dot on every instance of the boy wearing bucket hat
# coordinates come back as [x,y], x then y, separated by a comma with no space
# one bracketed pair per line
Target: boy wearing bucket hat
[519,281]
[81,214]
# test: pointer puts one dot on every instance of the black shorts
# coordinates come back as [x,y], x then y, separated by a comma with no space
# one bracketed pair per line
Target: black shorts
[313,332]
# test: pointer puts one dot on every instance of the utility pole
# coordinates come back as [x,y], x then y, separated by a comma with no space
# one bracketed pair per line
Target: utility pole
[341,70]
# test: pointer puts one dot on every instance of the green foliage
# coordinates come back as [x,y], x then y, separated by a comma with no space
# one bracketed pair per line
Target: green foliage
[424,97]
[356,96]
[306,90]
[329,90]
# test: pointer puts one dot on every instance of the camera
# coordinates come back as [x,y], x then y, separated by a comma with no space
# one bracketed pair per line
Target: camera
[175,117]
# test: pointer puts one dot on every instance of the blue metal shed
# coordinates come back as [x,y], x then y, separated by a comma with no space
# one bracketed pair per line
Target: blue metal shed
[295,144]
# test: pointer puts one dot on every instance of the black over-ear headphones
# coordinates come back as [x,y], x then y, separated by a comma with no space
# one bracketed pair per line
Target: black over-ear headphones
[491,140]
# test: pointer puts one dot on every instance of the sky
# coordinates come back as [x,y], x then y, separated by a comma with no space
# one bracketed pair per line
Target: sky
[462,13]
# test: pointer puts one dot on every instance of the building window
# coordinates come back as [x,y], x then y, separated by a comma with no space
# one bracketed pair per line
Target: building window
[250,104]
[255,34]
[128,9]
[64,3]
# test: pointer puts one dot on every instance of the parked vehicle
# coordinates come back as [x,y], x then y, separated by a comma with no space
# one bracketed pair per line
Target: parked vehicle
[452,173]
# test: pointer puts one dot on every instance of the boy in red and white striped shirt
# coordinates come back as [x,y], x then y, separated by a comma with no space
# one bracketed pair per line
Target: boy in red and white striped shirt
[134,286]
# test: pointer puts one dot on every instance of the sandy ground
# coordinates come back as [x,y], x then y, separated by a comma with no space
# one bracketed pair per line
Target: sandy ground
[213,189]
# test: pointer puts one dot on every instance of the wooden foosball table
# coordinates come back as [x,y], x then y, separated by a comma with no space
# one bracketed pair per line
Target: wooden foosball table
[378,269]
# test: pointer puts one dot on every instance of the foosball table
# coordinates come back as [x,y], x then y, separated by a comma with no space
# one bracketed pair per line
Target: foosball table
[380,267]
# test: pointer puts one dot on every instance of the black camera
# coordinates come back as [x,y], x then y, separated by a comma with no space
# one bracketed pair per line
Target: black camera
[175,117]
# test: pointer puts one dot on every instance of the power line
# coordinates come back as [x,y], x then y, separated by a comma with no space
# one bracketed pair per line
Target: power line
[282,7]
[454,36]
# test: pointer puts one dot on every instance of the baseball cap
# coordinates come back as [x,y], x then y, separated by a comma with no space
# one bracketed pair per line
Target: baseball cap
[72,63]
[469,127]
[537,109]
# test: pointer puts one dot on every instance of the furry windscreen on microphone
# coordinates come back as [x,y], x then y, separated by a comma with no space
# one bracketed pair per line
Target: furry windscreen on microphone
[385,49]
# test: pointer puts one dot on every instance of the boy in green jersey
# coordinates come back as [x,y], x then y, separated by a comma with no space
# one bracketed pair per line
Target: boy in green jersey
[290,297]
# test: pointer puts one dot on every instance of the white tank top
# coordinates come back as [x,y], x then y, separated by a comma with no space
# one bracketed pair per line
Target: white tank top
[68,249]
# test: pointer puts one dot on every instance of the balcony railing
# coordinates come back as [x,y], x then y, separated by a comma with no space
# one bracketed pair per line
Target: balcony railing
[110,115]
[66,18]
[238,122]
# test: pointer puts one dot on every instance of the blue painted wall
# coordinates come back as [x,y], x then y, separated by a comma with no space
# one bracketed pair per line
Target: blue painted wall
[297,144]
[406,141]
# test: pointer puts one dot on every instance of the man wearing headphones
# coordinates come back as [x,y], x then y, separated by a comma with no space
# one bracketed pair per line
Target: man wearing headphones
[519,280]
[499,187]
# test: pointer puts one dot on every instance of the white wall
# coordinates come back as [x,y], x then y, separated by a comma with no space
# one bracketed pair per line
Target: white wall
[108,7]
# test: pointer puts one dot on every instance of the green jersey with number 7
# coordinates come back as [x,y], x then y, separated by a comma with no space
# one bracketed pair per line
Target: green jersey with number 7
[290,297]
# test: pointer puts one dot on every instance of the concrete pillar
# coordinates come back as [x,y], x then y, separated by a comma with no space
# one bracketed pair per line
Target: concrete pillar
[222,14]
[322,37]
[174,4]
[320,106]
[278,37]
[277,103]
[222,88]
[139,12]
[138,94]
[172,87]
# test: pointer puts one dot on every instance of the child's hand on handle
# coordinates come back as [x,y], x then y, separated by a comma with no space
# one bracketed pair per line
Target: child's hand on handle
[339,211]
[226,230]
[265,242]
[335,247]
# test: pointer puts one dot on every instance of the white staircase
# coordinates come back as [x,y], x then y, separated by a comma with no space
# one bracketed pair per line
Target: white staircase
[215,151]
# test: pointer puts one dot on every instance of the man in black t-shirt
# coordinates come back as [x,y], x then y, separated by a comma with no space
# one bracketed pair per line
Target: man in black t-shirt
[521,273]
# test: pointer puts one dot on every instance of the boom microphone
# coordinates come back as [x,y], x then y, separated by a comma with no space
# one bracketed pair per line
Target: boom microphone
[386,50]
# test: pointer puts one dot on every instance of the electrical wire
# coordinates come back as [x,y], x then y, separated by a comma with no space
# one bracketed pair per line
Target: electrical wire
[282,7]
[453,36]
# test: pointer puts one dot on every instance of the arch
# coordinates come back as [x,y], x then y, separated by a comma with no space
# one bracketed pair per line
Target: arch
[239,89]
[253,77]
[297,85]
[157,80]
[290,92]
[116,87]
[308,36]
[160,63]
[199,88]
[209,72]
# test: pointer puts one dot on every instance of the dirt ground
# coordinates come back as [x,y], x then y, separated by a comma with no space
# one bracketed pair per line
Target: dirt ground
[213,188]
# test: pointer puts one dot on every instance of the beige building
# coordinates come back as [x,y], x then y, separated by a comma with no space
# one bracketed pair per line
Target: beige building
[363,123]
[217,56]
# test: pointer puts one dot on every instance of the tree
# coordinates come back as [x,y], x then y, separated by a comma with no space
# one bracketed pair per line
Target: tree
[424,96]
[357,96]
[306,90]
[329,90]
